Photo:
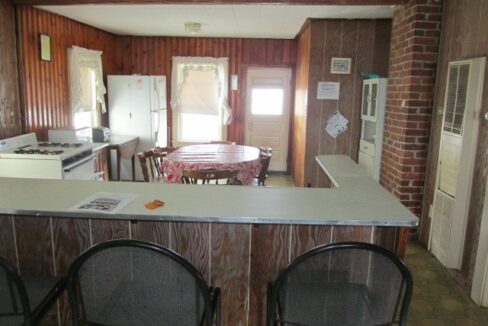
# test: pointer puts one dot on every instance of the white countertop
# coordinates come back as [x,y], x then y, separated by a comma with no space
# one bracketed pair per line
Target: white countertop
[98,146]
[358,200]
[115,140]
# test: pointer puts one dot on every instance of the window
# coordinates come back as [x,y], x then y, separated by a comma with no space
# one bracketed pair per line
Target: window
[199,99]
[86,87]
[267,101]
[87,117]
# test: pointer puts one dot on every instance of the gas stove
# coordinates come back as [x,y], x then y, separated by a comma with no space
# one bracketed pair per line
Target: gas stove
[37,151]
[64,145]
[24,156]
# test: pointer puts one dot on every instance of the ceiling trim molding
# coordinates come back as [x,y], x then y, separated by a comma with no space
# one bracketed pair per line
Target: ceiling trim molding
[221,2]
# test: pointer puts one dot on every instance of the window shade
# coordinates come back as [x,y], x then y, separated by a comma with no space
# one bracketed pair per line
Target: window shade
[199,93]
[199,86]
[79,59]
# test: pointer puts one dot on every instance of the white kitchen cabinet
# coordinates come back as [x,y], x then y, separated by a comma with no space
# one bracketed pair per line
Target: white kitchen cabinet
[372,123]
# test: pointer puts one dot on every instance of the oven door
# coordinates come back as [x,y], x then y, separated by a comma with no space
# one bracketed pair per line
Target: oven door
[80,170]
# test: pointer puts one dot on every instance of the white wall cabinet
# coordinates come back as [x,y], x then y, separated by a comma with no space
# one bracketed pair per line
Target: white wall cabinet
[372,123]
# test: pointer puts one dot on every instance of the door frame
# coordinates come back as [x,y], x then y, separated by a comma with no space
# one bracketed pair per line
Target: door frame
[244,95]
[479,288]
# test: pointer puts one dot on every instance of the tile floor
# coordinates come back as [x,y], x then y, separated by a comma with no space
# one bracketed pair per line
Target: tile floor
[437,299]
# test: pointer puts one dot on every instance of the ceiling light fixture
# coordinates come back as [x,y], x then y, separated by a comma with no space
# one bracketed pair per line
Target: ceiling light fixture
[193,27]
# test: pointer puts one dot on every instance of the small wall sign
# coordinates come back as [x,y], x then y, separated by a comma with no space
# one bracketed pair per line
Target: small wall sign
[45,44]
[328,90]
[340,66]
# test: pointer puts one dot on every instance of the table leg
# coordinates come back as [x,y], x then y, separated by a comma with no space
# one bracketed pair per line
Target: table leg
[133,168]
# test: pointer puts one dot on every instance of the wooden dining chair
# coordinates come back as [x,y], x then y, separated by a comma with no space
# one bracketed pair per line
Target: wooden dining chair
[265,149]
[210,176]
[167,149]
[225,142]
[151,165]
[264,158]
[151,162]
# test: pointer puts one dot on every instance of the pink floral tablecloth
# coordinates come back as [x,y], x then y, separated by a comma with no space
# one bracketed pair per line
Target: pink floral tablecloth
[213,156]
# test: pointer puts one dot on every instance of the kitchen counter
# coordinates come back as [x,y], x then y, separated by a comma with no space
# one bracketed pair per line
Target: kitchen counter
[237,237]
[125,147]
[356,200]
[99,146]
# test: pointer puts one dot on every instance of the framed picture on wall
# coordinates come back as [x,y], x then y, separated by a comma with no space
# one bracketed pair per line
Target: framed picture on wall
[340,66]
[45,44]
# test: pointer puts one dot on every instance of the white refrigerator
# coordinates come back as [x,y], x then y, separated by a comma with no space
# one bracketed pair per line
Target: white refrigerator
[137,107]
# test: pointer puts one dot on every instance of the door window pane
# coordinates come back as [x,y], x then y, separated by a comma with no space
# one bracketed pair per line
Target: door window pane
[267,101]
[365,99]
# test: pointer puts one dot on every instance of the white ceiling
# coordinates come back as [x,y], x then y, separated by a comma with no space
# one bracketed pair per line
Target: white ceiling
[256,21]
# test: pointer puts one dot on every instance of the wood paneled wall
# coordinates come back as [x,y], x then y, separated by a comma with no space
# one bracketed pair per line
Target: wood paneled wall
[464,27]
[152,56]
[10,122]
[239,258]
[299,127]
[45,83]
[367,43]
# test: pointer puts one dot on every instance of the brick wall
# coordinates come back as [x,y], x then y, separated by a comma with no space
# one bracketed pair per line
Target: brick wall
[413,59]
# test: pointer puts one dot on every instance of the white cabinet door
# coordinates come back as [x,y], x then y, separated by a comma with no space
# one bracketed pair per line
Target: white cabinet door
[366,161]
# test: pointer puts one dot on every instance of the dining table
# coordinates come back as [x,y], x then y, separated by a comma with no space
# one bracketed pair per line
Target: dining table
[243,158]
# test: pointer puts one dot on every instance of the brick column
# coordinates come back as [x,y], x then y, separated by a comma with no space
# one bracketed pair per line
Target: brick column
[413,59]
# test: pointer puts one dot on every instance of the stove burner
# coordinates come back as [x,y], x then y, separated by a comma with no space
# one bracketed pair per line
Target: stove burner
[38,151]
[65,145]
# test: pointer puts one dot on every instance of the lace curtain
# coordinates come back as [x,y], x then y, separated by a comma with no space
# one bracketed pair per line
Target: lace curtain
[79,59]
[199,85]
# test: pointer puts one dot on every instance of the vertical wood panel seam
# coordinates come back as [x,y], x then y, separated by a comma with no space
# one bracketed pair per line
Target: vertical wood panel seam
[129,229]
[480,19]
[52,245]
[248,305]
[21,69]
[340,76]
[15,243]
[90,234]
[354,83]
[209,253]
[289,243]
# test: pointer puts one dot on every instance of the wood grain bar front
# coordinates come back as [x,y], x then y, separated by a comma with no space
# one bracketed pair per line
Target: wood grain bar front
[241,259]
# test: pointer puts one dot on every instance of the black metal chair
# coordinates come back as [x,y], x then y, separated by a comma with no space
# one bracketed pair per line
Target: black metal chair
[343,284]
[24,300]
[130,282]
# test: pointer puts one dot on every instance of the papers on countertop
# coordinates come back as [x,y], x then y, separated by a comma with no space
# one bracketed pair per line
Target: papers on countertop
[104,202]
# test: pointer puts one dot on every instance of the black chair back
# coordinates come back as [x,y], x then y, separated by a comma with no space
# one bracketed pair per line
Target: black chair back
[342,284]
[129,282]
[14,302]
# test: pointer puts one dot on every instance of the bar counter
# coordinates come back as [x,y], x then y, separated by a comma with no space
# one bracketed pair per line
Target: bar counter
[238,237]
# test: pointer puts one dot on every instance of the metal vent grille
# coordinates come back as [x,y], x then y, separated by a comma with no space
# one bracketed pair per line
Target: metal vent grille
[456,98]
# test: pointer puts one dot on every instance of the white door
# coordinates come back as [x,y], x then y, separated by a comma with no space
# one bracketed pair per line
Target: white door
[268,112]
[455,167]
